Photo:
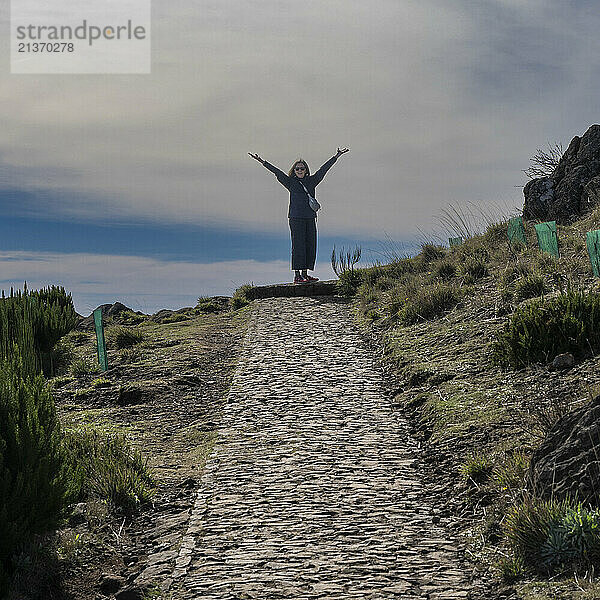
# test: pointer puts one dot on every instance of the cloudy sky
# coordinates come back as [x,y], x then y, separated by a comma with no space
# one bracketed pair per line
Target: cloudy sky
[139,188]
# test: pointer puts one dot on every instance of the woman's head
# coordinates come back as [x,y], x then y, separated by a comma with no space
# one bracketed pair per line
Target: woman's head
[299,169]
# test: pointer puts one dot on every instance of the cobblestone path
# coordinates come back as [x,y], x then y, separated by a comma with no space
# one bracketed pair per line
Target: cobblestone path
[310,491]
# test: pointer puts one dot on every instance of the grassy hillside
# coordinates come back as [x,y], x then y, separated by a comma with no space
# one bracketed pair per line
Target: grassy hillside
[469,335]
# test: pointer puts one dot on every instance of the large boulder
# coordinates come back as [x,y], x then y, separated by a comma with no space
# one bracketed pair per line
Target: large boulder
[573,186]
[568,461]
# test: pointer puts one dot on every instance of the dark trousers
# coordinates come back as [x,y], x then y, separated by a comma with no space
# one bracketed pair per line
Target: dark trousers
[304,243]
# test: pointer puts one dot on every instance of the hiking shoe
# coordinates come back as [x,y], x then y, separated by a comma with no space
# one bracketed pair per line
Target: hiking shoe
[309,278]
[300,279]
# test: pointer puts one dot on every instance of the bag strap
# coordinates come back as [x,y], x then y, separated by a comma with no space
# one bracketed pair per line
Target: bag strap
[310,197]
[305,189]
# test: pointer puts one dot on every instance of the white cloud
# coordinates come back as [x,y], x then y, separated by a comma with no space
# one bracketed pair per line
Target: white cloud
[439,101]
[141,283]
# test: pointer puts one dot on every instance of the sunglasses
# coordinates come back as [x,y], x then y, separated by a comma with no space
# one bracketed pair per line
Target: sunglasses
[299,169]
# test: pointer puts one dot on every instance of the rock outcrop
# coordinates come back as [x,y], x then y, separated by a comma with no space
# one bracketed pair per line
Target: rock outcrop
[568,461]
[108,310]
[572,188]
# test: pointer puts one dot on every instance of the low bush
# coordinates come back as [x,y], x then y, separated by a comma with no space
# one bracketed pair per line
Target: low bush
[530,287]
[514,272]
[175,318]
[32,478]
[58,360]
[79,337]
[349,282]
[477,468]
[401,266]
[550,535]
[371,276]
[240,297]
[130,355]
[445,270]
[123,337]
[428,302]
[473,268]
[106,467]
[128,317]
[508,475]
[208,305]
[431,253]
[544,328]
[83,367]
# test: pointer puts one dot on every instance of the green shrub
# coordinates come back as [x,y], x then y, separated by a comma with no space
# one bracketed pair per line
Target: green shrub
[372,276]
[514,272]
[175,318]
[497,233]
[445,270]
[83,367]
[128,317]
[32,478]
[35,321]
[428,302]
[385,283]
[509,475]
[106,467]
[511,569]
[477,468]
[79,337]
[430,253]
[130,355]
[397,298]
[240,297]
[473,268]
[544,328]
[530,287]
[551,534]
[401,266]
[349,281]
[59,359]
[123,337]
[208,305]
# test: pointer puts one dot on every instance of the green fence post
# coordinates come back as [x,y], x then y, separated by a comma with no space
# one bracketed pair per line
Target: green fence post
[547,238]
[457,241]
[102,360]
[592,240]
[516,231]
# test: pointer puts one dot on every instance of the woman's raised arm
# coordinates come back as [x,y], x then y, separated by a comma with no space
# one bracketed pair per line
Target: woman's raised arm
[318,176]
[281,176]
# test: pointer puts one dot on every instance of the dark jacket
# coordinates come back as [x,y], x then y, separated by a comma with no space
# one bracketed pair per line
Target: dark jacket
[299,206]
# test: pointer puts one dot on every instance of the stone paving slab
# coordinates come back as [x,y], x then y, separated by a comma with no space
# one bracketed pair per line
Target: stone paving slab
[311,490]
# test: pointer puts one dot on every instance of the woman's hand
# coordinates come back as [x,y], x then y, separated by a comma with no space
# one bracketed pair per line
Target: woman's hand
[341,151]
[257,157]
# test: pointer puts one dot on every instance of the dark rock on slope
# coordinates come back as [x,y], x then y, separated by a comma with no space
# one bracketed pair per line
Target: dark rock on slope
[568,461]
[573,186]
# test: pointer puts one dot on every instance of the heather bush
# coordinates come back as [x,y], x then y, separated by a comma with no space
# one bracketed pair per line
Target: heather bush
[543,328]
[32,476]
